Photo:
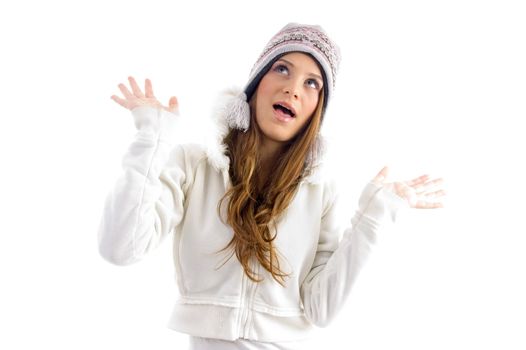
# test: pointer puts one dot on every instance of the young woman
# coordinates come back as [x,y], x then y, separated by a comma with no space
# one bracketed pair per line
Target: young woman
[259,256]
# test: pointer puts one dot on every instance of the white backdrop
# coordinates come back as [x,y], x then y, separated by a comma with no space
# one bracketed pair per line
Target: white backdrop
[424,87]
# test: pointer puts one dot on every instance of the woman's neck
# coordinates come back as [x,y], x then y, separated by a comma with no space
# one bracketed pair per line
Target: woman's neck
[269,152]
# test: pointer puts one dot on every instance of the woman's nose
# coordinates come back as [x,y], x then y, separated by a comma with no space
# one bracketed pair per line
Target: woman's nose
[292,89]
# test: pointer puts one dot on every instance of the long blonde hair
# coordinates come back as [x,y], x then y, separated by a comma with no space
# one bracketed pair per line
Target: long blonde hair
[252,210]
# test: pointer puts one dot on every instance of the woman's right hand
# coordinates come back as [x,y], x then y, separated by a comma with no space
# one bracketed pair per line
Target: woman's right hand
[137,98]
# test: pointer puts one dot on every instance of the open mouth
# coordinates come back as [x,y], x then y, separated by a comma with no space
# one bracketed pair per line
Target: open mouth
[284,109]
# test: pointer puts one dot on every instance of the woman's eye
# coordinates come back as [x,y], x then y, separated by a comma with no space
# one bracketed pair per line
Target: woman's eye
[313,83]
[281,69]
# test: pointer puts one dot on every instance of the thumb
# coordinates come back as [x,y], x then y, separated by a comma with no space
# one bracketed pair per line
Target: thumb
[381,176]
[173,104]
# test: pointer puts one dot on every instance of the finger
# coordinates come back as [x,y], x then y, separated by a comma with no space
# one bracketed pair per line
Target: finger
[381,176]
[433,183]
[119,100]
[417,181]
[439,193]
[428,205]
[126,92]
[148,88]
[173,104]
[433,205]
[135,88]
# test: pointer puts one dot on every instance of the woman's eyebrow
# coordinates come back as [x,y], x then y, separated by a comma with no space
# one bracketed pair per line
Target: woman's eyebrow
[292,65]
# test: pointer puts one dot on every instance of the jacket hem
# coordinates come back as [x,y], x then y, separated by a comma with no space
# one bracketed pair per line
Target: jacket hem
[218,322]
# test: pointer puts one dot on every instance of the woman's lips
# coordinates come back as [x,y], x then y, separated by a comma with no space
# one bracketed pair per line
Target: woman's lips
[282,116]
[287,106]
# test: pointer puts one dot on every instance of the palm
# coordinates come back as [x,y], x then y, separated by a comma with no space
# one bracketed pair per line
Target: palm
[420,192]
[137,98]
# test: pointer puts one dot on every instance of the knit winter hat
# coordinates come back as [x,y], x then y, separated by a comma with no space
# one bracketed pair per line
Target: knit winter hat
[294,37]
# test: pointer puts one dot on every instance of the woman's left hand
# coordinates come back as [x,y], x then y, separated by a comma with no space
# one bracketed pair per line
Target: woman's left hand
[420,193]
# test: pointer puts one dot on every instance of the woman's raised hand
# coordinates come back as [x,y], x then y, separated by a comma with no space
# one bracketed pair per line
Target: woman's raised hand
[137,98]
[419,192]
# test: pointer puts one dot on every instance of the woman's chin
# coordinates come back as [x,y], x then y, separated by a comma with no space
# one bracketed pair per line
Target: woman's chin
[276,138]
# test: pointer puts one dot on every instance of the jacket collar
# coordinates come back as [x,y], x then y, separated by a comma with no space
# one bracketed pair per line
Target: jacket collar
[216,149]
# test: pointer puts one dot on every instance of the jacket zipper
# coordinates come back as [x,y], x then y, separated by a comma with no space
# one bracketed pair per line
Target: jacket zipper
[242,302]
[248,288]
[251,291]
[244,324]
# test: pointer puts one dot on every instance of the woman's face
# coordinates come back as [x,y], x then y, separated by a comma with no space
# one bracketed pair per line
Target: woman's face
[287,96]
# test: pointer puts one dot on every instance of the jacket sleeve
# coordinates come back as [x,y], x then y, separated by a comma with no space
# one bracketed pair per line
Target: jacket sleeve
[146,202]
[337,263]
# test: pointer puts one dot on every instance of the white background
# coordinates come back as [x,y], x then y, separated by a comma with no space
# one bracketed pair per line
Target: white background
[432,87]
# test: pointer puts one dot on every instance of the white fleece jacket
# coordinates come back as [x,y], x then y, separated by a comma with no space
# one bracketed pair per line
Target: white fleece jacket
[168,189]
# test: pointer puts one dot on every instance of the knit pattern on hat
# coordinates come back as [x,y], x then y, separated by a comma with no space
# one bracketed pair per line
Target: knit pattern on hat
[306,38]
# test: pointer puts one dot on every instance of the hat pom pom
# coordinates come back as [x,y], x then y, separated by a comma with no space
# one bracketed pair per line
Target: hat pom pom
[238,112]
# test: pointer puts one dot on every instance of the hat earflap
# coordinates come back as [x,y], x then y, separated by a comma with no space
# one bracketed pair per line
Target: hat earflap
[238,112]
